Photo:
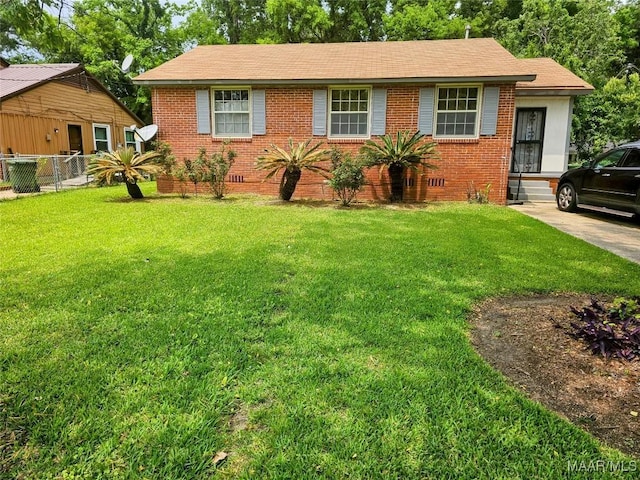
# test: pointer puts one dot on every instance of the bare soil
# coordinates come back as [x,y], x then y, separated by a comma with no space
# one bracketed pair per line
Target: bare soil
[526,339]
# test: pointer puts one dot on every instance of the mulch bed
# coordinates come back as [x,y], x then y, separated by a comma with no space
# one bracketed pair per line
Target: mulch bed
[525,338]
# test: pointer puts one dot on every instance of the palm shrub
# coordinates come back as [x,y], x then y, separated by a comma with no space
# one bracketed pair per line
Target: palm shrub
[347,176]
[292,162]
[125,164]
[397,153]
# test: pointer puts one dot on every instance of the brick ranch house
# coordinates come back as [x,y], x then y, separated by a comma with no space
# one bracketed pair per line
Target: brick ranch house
[491,114]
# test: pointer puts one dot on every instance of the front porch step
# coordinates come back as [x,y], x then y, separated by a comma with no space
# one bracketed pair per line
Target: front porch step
[531,191]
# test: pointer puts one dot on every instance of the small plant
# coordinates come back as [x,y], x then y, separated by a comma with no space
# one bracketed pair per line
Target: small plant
[347,176]
[613,332]
[478,196]
[124,164]
[189,171]
[166,160]
[299,157]
[215,168]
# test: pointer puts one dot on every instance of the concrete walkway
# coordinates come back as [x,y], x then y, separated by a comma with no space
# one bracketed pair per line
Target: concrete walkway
[616,233]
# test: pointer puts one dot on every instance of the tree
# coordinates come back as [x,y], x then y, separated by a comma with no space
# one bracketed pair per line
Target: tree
[406,150]
[99,34]
[583,36]
[125,164]
[628,18]
[609,115]
[434,20]
[292,162]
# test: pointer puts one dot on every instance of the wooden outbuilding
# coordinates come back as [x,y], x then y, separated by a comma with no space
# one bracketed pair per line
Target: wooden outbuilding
[58,109]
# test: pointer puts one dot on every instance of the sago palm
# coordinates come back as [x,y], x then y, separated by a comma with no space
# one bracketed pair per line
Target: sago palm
[397,153]
[126,163]
[299,157]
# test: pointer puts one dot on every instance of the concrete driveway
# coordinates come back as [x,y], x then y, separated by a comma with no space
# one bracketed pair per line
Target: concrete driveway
[616,233]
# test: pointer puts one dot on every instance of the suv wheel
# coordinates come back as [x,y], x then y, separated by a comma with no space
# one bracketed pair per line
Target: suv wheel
[566,198]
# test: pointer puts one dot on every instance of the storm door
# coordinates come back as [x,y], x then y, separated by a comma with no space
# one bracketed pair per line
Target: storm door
[528,139]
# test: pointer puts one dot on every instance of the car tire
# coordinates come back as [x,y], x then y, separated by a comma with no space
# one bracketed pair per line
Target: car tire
[567,198]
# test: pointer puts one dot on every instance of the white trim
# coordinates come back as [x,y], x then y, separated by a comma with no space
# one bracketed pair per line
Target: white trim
[369,112]
[212,99]
[136,138]
[478,109]
[93,133]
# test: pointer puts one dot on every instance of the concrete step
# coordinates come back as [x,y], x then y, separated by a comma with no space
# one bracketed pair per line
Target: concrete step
[533,197]
[529,183]
[531,191]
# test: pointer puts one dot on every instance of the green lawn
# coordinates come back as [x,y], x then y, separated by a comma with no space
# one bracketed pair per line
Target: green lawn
[138,339]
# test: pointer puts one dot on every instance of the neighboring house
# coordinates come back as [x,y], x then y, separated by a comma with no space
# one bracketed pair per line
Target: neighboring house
[466,95]
[51,109]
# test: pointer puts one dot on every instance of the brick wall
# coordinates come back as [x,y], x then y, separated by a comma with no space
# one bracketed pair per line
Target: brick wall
[289,114]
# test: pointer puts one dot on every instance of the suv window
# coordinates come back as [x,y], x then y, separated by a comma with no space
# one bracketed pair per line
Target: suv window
[633,159]
[609,159]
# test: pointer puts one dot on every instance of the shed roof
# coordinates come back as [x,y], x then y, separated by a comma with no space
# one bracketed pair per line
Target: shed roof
[551,79]
[477,59]
[17,78]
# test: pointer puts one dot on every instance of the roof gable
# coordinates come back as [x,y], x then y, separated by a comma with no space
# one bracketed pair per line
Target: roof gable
[478,59]
[15,79]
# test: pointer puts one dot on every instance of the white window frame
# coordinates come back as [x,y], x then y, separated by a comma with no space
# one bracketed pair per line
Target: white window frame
[369,112]
[95,141]
[213,113]
[478,110]
[138,143]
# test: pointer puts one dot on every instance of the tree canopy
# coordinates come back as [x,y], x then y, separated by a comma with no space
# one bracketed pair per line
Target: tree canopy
[598,40]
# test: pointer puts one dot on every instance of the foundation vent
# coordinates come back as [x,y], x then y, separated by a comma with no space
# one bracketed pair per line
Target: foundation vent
[236,178]
[435,182]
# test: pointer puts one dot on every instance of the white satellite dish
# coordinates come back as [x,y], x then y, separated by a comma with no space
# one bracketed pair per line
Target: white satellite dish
[145,133]
[126,63]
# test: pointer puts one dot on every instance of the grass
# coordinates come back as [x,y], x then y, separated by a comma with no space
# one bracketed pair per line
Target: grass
[138,339]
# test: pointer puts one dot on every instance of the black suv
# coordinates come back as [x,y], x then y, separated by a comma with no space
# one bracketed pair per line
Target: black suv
[612,180]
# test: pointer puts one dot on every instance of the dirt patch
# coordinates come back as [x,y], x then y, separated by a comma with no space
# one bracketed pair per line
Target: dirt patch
[525,339]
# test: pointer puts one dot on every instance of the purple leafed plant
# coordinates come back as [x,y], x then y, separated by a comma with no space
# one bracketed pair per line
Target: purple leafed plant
[612,332]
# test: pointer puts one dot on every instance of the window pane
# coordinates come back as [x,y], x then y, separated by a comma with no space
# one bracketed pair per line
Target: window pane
[100,133]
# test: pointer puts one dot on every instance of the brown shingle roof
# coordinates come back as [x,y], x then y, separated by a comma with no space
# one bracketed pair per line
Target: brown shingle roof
[17,78]
[431,60]
[551,78]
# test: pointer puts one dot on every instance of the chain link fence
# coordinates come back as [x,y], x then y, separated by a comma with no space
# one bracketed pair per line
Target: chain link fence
[38,173]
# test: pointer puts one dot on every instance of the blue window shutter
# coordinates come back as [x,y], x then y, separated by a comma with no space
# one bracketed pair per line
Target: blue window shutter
[379,111]
[490,99]
[203,111]
[425,110]
[259,113]
[319,112]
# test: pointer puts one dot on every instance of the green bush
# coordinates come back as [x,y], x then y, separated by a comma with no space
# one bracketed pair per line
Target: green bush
[347,176]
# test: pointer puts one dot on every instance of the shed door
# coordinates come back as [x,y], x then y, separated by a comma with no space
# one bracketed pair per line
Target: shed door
[528,139]
[75,138]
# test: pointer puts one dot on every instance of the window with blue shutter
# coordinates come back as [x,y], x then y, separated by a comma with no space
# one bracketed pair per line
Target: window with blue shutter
[490,100]
[457,110]
[425,111]
[320,112]
[203,111]
[259,113]
[379,111]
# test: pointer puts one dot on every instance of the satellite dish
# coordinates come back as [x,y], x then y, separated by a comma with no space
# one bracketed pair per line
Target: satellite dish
[146,133]
[126,63]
